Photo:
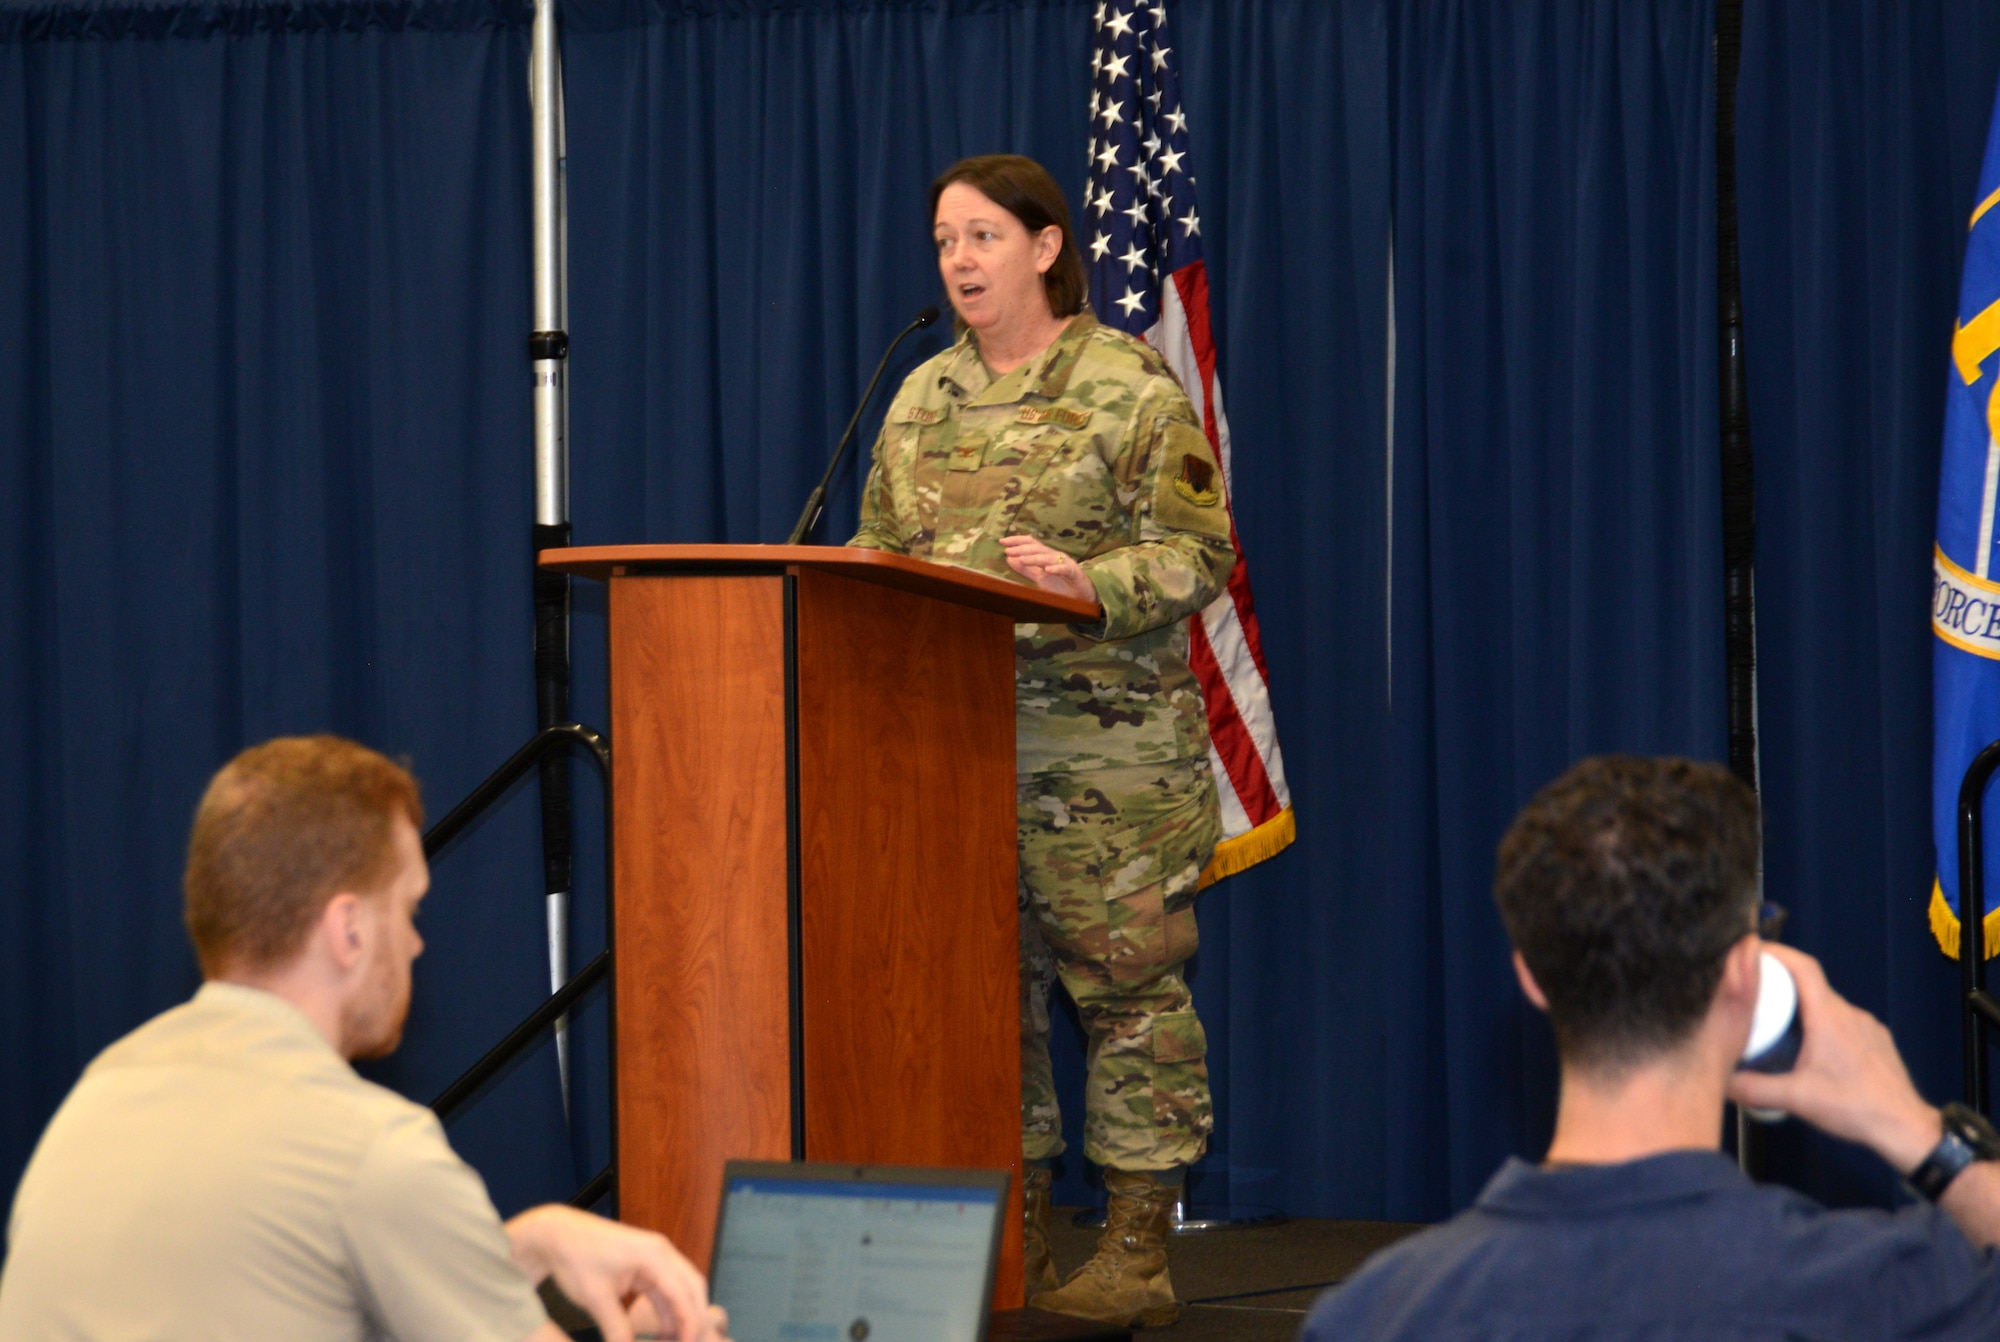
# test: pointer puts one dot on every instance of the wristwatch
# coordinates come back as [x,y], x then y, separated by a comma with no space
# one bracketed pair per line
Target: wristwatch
[1967,1137]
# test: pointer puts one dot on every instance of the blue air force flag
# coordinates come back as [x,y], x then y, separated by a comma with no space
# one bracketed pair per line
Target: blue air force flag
[1965,592]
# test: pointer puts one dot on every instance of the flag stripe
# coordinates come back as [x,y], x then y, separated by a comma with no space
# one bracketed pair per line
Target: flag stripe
[1229,624]
[1231,737]
[1230,647]
[1191,289]
[1234,819]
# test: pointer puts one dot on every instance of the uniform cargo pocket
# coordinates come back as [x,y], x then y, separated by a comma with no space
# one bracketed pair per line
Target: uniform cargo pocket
[1166,850]
[1178,1037]
[1144,939]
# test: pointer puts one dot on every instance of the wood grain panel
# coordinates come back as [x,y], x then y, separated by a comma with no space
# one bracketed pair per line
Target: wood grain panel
[698,767]
[906,798]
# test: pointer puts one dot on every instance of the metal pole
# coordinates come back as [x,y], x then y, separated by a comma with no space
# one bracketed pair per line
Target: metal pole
[1739,510]
[549,345]
[1972,933]
[548,348]
[1977,1006]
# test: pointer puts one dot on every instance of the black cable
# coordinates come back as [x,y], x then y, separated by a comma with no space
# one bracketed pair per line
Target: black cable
[1270,1290]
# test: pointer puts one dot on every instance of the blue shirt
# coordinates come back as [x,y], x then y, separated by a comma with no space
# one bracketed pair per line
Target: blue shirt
[1674,1246]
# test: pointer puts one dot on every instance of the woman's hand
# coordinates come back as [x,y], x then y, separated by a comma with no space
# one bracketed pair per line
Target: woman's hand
[1049,569]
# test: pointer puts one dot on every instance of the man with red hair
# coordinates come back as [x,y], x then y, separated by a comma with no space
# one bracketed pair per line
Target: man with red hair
[222,1172]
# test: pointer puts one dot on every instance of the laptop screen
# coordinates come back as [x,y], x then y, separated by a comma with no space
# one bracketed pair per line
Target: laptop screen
[815,1253]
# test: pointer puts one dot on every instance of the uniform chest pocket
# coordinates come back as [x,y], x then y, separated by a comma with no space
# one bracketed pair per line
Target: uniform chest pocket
[1001,469]
[1070,498]
[1027,448]
[1031,433]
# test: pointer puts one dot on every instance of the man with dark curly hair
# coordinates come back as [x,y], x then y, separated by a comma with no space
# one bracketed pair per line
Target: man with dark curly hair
[1629,890]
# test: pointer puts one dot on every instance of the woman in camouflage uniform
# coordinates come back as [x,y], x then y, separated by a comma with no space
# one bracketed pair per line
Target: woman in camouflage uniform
[1045,446]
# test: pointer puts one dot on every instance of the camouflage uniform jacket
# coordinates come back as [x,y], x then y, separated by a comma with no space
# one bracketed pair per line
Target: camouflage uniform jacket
[1092,447]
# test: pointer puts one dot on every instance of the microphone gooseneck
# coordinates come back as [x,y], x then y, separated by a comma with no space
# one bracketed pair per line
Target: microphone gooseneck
[816,501]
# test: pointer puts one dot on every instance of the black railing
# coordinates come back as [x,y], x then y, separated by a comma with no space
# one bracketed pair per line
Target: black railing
[599,970]
[1981,1007]
[521,1036]
[597,1189]
[496,785]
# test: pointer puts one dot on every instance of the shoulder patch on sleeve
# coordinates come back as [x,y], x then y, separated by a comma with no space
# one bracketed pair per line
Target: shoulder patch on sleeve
[1196,482]
[1053,414]
[919,414]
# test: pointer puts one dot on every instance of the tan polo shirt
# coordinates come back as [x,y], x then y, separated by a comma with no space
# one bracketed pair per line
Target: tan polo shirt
[222,1173]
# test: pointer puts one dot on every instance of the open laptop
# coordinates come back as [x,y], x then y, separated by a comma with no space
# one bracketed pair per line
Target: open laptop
[841,1253]
[851,1252]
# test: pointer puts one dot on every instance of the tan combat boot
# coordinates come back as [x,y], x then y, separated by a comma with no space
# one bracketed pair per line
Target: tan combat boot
[1125,1281]
[1039,1263]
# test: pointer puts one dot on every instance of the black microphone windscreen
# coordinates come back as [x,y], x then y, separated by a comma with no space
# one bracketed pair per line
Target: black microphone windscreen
[925,318]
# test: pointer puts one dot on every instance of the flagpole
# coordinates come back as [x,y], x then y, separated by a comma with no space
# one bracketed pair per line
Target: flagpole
[1739,495]
[1148,279]
[548,349]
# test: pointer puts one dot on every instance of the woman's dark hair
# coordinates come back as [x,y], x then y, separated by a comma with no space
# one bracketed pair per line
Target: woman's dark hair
[1623,884]
[1024,189]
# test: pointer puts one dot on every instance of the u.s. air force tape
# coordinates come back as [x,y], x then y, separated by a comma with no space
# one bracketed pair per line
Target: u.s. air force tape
[1965,610]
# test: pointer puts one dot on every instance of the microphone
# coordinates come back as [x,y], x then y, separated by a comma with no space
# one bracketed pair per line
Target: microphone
[816,501]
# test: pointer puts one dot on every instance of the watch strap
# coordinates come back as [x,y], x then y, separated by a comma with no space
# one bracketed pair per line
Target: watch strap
[1968,1137]
[1946,1162]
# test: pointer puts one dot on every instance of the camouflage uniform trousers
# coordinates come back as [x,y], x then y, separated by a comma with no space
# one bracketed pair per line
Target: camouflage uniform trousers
[1110,861]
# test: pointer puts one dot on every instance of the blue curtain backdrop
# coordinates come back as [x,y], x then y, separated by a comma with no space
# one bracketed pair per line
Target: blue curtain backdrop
[1558,544]
[1860,131]
[264,444]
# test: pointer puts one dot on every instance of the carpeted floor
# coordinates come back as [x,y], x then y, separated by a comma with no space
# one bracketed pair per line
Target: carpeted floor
[1249,1285]
[1253,1284]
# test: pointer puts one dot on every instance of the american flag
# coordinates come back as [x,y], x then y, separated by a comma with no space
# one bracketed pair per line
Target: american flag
[1147,277]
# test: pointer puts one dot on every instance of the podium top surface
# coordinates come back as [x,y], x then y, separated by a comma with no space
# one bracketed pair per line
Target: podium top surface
[1016,600]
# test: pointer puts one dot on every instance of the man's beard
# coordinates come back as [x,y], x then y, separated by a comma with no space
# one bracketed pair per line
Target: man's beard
[372,1025]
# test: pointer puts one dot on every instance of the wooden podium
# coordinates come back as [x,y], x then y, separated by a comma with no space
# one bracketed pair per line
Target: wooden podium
[815,932]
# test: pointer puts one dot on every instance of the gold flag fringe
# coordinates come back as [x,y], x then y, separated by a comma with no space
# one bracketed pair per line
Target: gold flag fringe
[1245,851]
[1944,925]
